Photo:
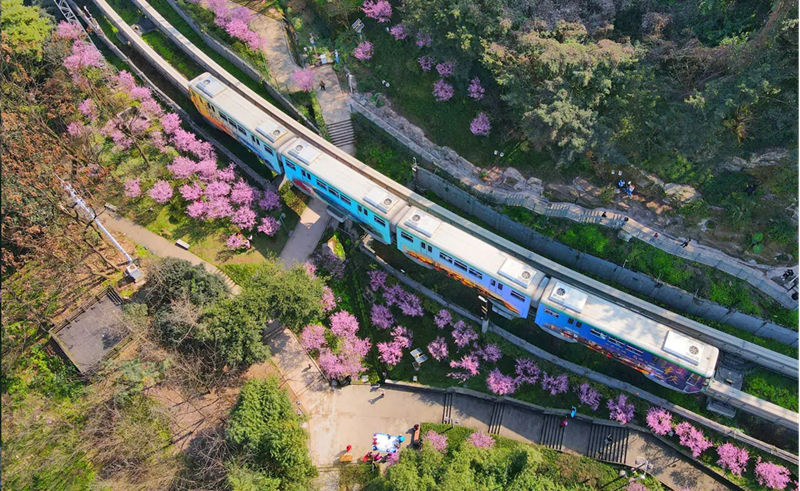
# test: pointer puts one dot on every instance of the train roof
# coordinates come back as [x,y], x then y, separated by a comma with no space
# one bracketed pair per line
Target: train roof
[343,178]
[243,111]
[632,327]
[475,252]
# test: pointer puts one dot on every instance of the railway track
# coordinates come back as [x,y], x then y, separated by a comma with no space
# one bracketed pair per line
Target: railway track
[725,342]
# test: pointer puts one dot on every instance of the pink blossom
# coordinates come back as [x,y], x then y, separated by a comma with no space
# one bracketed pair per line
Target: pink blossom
[445,69]
[442,91]
[690,437]
[158,141]
[475,89]
[269,201]
[76,129]
[125,81]
[425,62]
[468,363]
[399,32]
[438,348]
[555,385]
[390,353]
[659,420]
[151,108]
[182,167]
[463,334]
[500,384]
[242,193]
[268,226]
[402,337]
[239,29]
[635,486]
[393,295]
[480,439]
[490,353]
[443,318]
[141,93]
[161,191]
[732,458]
[363,51]
[356,347]
[380,10]
[772,475]
[217,189]
[377,280]
[186,141]
[620,410]
[527,371]
[227,174]
[313,337]
[588,396]
[68,30]
[207,169]
[410,305]
[83,56]
[303,78]
[328,299]
[311,270]
[237,241]
[171,122]
[392,459]
[437,441]
[338,366]
[344,324]
[480,126]
[423,39]
[381,316]
[197,209]
[88,108]
[191,191]
[219,208]
[244,218]
[326,259]
[132,188]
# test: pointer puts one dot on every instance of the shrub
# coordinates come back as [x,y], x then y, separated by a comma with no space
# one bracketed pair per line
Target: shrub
[173,279]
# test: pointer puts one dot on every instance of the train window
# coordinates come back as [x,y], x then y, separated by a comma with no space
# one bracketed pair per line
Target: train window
[407,236]
[579,323]
[379,221]
[551,312]
[254,139]
[570,320]
[423,244]
[290,165]
[494,283]
[616,342]
[360,209]
[241,130]
[268,149]
[635,350]
[333,192]
[597,333]
[345,199]
[459,264]
[499,286]
[445,257]
[430,249]
[477,274]
[517,296]
[322,184]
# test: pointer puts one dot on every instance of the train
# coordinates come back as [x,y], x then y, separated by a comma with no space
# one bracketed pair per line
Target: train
[514,288]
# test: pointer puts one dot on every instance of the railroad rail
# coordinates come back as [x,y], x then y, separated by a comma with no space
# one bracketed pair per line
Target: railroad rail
[726,342]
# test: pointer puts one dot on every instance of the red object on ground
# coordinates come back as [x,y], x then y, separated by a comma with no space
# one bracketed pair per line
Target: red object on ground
[365,458]
[349,447]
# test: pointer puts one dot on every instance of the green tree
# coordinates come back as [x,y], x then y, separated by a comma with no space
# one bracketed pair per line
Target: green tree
[232,333]
[241,478]
[173,279]
[24,28]
[292,297]
[266,433]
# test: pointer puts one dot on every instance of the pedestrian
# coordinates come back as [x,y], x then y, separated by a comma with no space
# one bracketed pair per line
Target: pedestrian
[655,235]
[609,438]
[573,412]
[383,393]
[686,243]
[336,55]
[620,183]
[322,84]
[349,447]
[604,215]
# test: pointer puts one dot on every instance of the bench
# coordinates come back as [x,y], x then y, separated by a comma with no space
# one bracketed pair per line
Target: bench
[182,244]
[415,437]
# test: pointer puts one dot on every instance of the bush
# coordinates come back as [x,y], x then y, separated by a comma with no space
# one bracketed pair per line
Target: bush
[292,297]
[172,279]
[265,430]
[234,333]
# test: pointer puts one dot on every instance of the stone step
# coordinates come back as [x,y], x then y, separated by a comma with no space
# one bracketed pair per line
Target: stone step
[552,432]
[602,448]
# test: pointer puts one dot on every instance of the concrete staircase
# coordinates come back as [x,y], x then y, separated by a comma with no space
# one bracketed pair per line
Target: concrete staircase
[552,432]
[613,450]
[341,133]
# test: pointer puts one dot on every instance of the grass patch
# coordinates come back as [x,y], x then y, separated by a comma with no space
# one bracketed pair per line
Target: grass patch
[174,56]
[772,387]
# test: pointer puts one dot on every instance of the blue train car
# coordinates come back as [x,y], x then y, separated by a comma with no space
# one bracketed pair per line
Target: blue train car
[661,354]
[348,194]
[436,244]
[239,118]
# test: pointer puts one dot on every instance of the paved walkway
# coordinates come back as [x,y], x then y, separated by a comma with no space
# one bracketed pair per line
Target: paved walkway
[159,245]
[307,234]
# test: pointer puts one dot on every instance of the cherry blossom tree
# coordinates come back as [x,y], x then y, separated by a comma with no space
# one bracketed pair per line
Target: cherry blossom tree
[303,78]
[89,109]
[659,420]
[227,174]
[207,170]
[691,438]
[380,10]
[475,89]
[635,486]
[500,384]
[186,141]
[423,39]
[732,458]
[425,62]
[469,366]
[480,126]
[410,305]
[269,201]
[242,193]
[555,385]
[588,396]
[133,188]
[399,32]
[313,337]
[244,218]
[219,207]
[490,353]
[197,209]
[377,280]
[328,299]
[269,226]
[443,318]
[393,295]
[402,337]
[463,334]
[480,439]
[83,57]
[390,353]
[527,371]
[344,324]
[191,191]
[217,189]
[381,316]
[363,51]
[772,475]
[182,167]
[237,241]
[620,410]
[161,192]
[76,129]
[445,69]
[171,122]
[68,30]
[437,441]
[442,91]
[438,348]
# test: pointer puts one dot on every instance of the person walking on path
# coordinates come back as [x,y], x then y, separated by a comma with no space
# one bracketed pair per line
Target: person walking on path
[573,412]
[565,422]
[383,394]
[609,438]
[322,84]
[685,243]
[336,55]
